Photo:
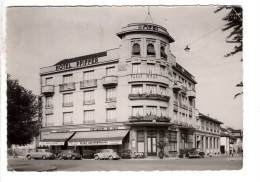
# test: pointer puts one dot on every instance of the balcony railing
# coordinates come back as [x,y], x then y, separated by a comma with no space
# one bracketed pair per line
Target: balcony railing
[88,83]
[112,99]
[147,77]
[67,104]
[184,106]
[191,94]
[67,86]
[145,96]
[48,89]
[149,118]
[110,81]
[177,86]
[88,102]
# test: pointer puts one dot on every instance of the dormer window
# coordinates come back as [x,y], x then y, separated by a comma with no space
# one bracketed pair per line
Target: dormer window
[163,54]
[136,50]
[150,50]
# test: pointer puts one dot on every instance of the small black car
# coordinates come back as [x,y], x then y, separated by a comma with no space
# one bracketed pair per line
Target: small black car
[69,154]
[125,154]
[88,154]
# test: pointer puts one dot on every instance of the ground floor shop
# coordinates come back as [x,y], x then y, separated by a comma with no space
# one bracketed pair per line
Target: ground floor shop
[142,140]
[209,143]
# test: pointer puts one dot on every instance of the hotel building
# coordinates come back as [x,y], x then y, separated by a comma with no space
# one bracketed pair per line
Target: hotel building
[130,97]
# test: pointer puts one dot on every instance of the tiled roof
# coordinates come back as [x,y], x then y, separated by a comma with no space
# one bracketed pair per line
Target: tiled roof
[209,118]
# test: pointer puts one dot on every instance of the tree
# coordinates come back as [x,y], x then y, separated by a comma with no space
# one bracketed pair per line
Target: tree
[22,109]
[234,21]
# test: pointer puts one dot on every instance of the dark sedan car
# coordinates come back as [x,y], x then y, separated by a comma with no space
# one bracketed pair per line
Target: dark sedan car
[69,154]
[196,154]
[125,154]
[88,154]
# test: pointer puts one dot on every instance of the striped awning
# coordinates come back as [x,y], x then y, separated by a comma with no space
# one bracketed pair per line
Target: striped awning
[55,138]
[91,138]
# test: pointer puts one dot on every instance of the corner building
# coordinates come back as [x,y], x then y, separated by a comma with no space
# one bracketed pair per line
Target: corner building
[130,97]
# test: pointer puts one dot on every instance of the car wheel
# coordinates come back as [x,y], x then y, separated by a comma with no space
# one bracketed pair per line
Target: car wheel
[43,157]
[29,157]
[73,157]
[96,157]
[110,157]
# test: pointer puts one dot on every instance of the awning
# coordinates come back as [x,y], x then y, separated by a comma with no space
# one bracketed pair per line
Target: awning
[55,138]
[91,138]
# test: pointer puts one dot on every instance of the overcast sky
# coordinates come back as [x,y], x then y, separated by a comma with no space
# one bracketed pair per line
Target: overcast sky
[39,37]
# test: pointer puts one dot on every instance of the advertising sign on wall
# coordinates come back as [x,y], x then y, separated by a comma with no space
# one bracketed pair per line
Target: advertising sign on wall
[89,143]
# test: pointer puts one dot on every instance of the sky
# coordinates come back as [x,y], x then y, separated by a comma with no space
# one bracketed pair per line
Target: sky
[42,36]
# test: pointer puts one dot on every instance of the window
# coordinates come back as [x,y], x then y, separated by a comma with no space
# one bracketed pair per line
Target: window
[67,118]
[67,78]
[137,89]
[163,111]
[173,140]
[137,111]
[151,110]
[136,50]
[111,71]
[49,102]
[150,68]
[89,75]
[67,99]
[89,97]
[111,115]
[89,116]
[140,141]
[150,50]
[161,136]
[136,68]
[151,89]
[175,115]
[163,70]
[111,94]
[163,54]
[49,81]
[162,90]
[49,119]
[175,95]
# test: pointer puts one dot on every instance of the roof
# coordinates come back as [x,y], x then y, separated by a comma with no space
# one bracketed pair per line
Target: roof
[209,118]
[90,56]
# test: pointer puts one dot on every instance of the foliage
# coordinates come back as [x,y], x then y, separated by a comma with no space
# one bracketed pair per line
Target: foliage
[22,108]
[234,23]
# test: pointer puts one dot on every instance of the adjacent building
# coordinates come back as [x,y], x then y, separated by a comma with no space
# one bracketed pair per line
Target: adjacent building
[129,97]
[207,134]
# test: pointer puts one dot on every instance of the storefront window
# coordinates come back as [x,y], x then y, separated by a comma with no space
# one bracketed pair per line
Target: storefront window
[89,116]
[140,141]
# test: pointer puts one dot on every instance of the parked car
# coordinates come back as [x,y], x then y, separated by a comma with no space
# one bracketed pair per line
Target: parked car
[196,154]
[69,154]
[125,154]
[40,154]
[88,154]
[106,154]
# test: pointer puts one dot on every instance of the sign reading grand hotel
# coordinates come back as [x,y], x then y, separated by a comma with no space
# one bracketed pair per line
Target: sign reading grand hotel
[80,61]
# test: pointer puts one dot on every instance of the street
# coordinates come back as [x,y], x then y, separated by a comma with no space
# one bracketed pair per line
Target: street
[218,163]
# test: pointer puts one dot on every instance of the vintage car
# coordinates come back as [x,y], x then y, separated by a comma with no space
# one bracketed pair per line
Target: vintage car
[40,154]
[196,154]
[106,154]
[69,154]
[88,154]
[125,154]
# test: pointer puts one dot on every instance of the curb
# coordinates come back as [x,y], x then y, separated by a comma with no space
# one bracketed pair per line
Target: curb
[23,168]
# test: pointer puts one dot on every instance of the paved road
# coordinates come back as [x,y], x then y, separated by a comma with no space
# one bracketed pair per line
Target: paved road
[133,164]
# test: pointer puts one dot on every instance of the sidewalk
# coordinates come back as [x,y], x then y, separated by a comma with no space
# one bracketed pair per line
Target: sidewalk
[32,168]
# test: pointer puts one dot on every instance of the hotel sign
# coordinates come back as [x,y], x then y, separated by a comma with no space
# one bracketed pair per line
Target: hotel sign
[82,63]
[148,27]
[91,143]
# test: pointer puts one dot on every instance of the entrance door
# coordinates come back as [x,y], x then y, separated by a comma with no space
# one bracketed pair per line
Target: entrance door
[151,143]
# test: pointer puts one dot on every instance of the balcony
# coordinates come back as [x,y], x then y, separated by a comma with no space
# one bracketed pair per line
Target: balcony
[88,102]
[184,106]
[191,94]
[177,86]
[48,89]
[112,99]
[149,118]
[147,77]
[175,105]
[67,104]
[67,86]
[145,96]
[186,125]
[88,83]
[110,81]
